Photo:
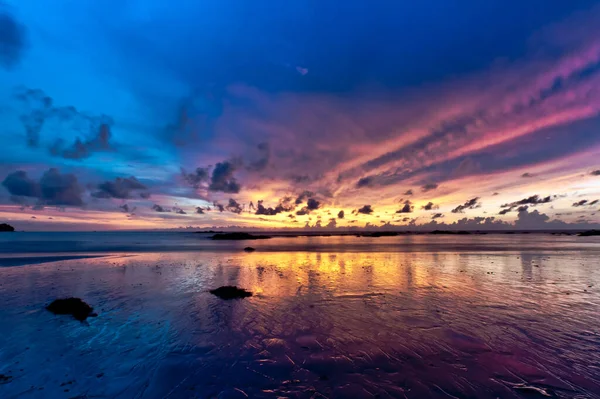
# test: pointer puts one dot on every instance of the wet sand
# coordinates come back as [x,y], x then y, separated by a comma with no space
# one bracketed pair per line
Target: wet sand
[477,324]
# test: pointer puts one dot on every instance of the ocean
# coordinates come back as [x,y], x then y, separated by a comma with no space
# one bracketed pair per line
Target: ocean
[411,316]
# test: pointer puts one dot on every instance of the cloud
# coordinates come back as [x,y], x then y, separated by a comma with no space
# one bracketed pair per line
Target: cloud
[158,208]
[364,182]
[429,187]
[222,178]
[527,175]
[179,211]
[199,210]
[84,149]
[595,173]
[219,207]
[407,208]
[127,209]
[263,158]
[430,206]
[194,179]
[585,203]
[437,216]
[367,210]
[473,203]
[311,205]
[12,40]
[53,188]
[121,188]
[340,214]
[532,201]
[39,110]
[234,206]
[408,192]
[303,196]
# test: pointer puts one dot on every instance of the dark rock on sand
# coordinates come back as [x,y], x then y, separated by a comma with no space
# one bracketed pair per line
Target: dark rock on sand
[231,292]
[239,236]
[6,227]
[73,306]
[589,233]
[249,249]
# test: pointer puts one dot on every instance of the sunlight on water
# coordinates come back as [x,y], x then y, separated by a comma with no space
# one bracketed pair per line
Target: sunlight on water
[344,324]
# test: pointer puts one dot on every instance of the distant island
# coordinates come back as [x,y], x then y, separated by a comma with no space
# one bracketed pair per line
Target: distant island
[239,236]
[590,233]
[6,227]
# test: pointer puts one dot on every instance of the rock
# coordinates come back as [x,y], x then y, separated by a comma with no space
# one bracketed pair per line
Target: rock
[4,379]
[589,233]
[230,292]
[73,306]
[239,236]
[6,227]
[249,249]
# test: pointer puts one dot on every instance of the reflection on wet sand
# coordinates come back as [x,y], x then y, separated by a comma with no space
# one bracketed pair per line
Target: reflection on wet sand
[501,324]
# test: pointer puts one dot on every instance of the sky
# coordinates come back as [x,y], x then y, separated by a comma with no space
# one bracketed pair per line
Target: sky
[147,114]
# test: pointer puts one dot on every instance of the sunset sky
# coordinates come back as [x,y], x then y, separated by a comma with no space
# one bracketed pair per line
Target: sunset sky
[145,114]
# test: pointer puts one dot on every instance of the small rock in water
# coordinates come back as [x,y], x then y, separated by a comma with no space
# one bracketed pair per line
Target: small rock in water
[5,379]
[230,292]
[73,306]
[249,249]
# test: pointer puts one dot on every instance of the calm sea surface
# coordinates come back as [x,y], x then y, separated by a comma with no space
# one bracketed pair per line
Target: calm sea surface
[478,316]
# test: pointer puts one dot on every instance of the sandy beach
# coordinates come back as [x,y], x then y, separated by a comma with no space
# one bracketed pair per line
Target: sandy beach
[392,324]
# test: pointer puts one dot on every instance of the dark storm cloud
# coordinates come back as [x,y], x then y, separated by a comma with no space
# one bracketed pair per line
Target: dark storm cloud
[429,187]
[263,158]
[473,203]
[437,216]
[222,178]
[121,187]
[40,110]
[407,208]
[340,214]
[53,188]
[234,206]
[195,178]
[367,210]
[430,206]
[12,40]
